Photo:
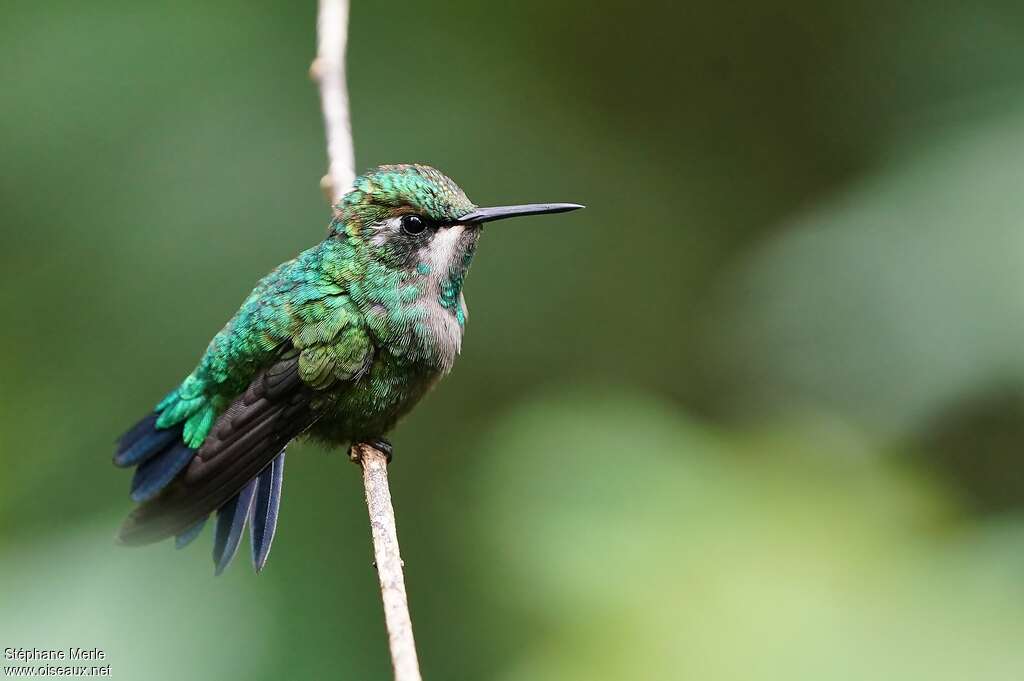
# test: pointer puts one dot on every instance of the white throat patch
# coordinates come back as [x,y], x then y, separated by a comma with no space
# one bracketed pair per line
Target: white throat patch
[443,330]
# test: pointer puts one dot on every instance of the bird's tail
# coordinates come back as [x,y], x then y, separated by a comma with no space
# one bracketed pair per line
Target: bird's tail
[235,469]
[159,455]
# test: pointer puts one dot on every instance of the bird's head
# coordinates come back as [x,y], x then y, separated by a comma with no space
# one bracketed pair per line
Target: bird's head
[416,219]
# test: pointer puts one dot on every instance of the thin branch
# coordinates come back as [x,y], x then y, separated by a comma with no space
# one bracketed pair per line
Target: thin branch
[328,70]
[388,561]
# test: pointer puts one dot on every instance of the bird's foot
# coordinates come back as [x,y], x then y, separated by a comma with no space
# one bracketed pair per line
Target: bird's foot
[383,446]
[378,443]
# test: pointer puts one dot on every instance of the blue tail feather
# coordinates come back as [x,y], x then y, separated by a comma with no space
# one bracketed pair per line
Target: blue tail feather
[230,524]
[189,535]
[264,511]
[146,446]
[153,475]
[143,427]
[161,454]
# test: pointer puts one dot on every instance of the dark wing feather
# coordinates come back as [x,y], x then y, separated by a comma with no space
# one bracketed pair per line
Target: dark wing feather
[246,438]
[188,536]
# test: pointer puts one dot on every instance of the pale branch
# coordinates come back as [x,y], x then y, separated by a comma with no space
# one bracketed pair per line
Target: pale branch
[328,70]
[388,561]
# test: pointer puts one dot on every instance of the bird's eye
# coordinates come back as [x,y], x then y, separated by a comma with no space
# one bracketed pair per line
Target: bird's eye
[413,224]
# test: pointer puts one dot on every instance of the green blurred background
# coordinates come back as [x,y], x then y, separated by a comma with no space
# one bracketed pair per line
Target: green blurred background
[757,413]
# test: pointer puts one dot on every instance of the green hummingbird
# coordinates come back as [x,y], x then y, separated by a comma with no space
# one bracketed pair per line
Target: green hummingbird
[337,344]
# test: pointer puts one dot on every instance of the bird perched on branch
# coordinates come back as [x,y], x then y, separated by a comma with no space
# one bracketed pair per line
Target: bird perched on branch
[337,344]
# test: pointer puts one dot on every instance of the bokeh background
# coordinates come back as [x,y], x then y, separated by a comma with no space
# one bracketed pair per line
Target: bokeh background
[757,413]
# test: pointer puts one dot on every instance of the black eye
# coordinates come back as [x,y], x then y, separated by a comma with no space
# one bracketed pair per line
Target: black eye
[413,224]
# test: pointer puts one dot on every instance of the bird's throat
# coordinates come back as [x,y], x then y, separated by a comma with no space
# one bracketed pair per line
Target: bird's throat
[419,313]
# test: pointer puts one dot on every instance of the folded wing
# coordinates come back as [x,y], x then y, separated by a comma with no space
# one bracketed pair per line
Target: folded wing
[244,441]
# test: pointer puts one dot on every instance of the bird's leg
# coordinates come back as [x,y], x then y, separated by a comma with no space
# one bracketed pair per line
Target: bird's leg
[378,443]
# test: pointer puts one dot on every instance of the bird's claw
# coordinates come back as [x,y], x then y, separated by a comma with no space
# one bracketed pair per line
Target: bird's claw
[383,446]
[378,443]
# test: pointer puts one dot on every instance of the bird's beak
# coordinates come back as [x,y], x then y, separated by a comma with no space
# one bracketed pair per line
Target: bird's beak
[480,215]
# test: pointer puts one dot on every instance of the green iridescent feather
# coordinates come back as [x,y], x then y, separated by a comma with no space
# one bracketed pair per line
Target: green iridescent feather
[333,304]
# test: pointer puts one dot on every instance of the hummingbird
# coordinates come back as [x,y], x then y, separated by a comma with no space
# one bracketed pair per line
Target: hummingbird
[336,344]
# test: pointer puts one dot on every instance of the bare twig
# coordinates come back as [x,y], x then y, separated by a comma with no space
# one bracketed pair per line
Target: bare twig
[388,561]
[328,70]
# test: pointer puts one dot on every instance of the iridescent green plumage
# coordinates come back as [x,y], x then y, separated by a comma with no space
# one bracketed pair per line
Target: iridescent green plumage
[339,343]
[333,304]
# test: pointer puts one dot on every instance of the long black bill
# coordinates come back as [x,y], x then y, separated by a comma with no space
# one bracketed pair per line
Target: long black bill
[501,212]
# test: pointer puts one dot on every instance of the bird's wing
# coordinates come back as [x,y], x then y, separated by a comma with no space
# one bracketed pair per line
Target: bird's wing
[294,339]
[245,439]
[279,404]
